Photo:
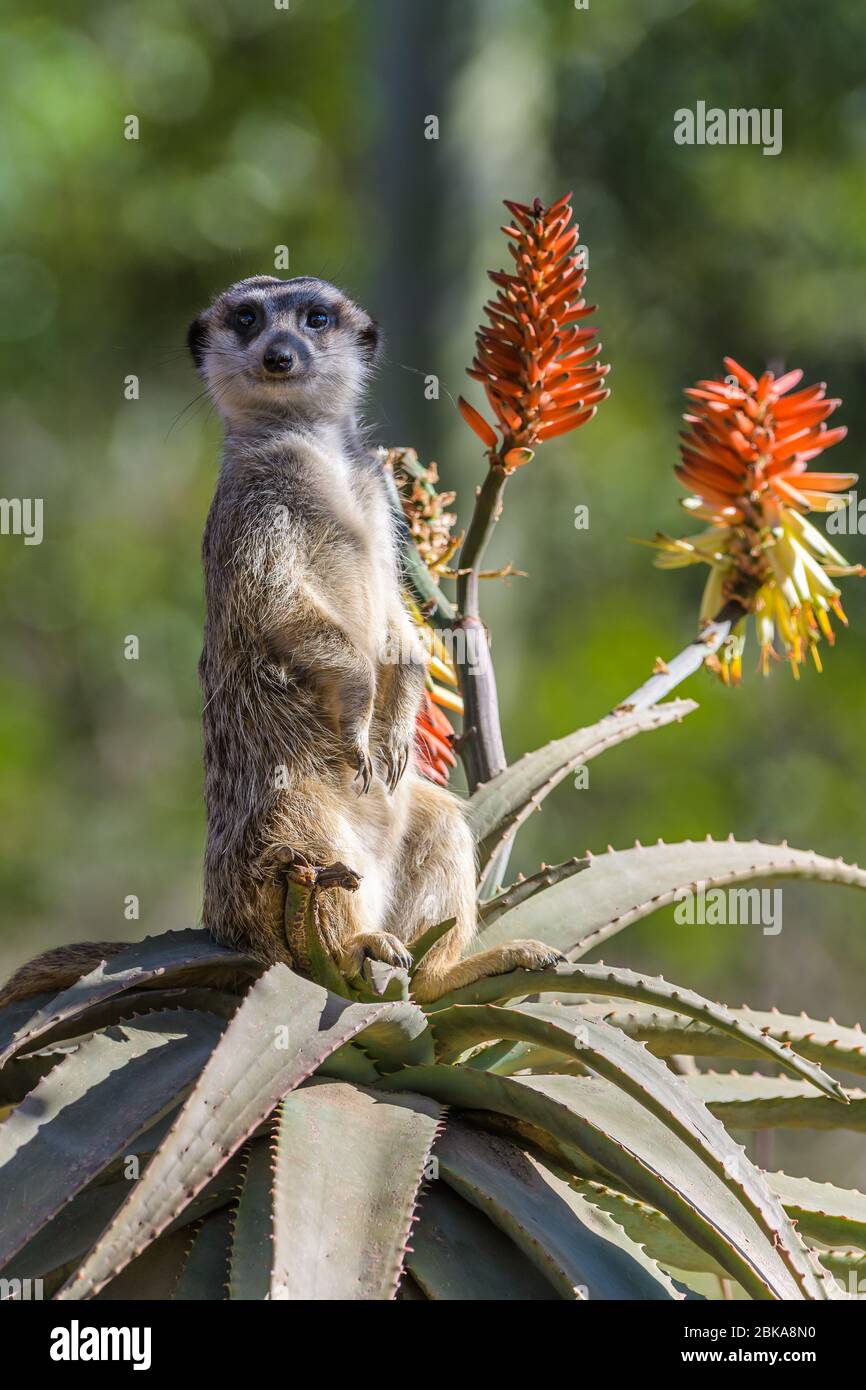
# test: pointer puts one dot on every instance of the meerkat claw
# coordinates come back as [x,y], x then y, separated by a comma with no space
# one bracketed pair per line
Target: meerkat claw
[533,955]
[363,778]
[547,959]
[396,763]
[374,945]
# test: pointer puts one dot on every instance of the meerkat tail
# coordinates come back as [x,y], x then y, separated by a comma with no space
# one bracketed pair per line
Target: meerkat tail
[57,969]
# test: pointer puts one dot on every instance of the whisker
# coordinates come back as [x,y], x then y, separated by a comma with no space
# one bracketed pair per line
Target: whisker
[182,412]
[418,371]
[214,387]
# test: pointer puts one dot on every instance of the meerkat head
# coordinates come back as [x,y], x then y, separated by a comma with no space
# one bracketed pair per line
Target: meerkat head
[286,348]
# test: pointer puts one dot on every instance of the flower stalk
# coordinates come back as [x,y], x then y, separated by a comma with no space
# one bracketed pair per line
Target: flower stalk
[483,750]
[669,674]
[541,375]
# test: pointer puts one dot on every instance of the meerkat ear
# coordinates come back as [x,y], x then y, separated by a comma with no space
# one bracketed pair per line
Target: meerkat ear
[196,339]
[370,339]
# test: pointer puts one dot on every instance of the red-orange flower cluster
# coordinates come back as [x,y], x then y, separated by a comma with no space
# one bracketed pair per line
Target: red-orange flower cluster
[537,365]
[745,458]
[748,437]
[433,742]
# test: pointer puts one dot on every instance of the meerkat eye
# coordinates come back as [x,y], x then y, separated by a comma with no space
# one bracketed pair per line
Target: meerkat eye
[245,316]
[318,318]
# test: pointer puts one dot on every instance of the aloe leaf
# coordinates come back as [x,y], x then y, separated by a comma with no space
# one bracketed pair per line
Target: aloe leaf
[58,1247]
[160,957]
[621,1138]
[627,984]
[824,1041]
[20,1076]
[821,1041]
[348,1167]
[85,1111]
[849,1266]
[833,1215]
[350,1063]
[154,1273]
[204,1276]
[423,943]
[133,1004]
[623,886]
[19,1013]
[285,1027]
[399,1037]
[506,1059]
[499,806]
[141,1148]
[740,1102]
[409,1291]
[381,981]
[322,968]
[657,1234]
[64,1240]
[775,1102]
[525,888]
[61,1244]
[252,1235]
[458,1255]
[578,1248]
[617,1059]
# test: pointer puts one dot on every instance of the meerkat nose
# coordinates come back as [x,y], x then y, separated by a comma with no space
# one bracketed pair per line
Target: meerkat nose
[278,359]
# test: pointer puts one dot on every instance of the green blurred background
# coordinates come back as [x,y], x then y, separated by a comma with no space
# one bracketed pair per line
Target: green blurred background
[305,127]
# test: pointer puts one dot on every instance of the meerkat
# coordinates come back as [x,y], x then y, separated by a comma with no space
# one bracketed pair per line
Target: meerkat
[311,670]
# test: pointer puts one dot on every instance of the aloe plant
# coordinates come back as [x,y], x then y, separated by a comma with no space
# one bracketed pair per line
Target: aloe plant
[184,1123]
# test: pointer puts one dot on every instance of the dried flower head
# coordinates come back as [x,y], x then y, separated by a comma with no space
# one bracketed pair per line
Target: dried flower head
[537,364]
[745,457]
[425,508]
[430,526]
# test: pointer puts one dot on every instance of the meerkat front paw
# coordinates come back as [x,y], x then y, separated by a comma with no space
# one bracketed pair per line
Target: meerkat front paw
[529,955]
[373,945]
